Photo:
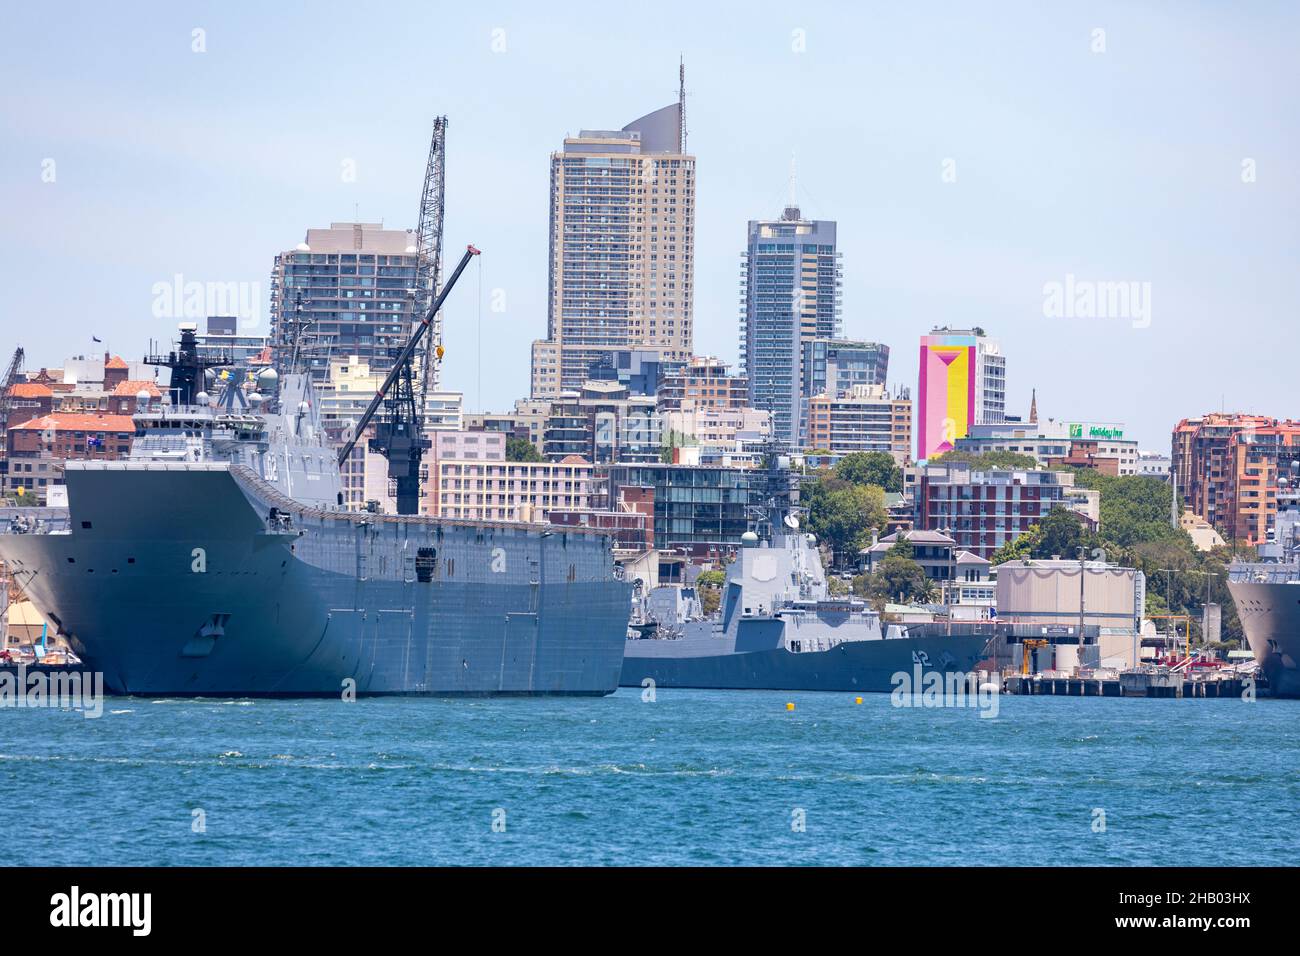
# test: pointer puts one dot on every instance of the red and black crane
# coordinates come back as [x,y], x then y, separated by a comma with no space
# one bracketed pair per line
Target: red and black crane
[399,433]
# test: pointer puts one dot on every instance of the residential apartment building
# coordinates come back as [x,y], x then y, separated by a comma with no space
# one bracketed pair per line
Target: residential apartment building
[834,366]
[486,487]
[1225,467]
[864,418]
[791,293]
[527,421]
[622,246]
[703,382]
[603,423]
[352,382]
[351,287]
[983,510]
[717,432]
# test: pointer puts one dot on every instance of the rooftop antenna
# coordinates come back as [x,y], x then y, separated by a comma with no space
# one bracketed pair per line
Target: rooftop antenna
[791,211]
[681,106]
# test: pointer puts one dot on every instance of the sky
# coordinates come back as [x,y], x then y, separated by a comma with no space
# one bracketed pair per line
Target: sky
[974,155]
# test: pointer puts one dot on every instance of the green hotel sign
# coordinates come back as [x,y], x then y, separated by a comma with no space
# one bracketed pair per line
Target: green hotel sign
[1077,430]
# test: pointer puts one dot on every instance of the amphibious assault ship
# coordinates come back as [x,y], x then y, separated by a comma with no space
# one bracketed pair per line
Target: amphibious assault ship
[779,628]
[219,559]
[1267,593]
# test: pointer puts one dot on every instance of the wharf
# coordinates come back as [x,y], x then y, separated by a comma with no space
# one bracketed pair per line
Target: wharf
[1127,684]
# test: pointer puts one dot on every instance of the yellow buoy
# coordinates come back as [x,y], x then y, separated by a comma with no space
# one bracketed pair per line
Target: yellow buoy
[857,700]
[789,706]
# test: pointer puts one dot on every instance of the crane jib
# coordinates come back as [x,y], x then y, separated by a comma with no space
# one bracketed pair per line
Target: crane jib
[405,356]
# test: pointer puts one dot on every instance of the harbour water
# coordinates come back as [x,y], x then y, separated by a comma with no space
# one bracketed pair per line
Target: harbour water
[695,777]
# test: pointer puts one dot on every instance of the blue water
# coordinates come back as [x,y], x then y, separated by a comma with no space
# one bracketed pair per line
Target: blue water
[696,777]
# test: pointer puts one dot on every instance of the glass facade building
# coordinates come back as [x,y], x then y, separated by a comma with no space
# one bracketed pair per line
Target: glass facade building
[790,290]
[701,510]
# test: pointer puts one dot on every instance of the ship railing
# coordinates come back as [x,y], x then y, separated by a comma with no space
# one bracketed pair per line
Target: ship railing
[1265,574]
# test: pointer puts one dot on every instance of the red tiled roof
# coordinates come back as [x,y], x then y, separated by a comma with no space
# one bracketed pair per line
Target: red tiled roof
[79,423]
[133,386]
[116,362]
[30,390]
[574,460]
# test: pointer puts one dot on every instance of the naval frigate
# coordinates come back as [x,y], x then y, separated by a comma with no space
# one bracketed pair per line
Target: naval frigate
[218,559]
[779,628]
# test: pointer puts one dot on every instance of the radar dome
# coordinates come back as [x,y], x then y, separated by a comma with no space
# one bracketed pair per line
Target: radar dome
[267,378]
[255,399]
[201,398]
[749,540]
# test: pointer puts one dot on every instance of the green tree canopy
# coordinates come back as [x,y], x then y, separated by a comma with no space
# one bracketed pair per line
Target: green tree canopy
[521,449]
[711,579]
[871,468]
[987,460]
[842,515]
[899,577]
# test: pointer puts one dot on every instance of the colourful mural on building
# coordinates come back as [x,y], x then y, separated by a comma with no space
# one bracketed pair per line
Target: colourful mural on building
[946,392]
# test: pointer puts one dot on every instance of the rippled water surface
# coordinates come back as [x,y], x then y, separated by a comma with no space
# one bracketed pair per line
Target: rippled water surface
[696,777]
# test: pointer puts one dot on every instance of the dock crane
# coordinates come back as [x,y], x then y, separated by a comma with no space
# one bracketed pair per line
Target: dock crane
[7,397]
[399,434]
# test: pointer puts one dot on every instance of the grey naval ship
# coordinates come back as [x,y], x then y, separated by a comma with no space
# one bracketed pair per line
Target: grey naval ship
[778,628]
[1267,593]
[218,559]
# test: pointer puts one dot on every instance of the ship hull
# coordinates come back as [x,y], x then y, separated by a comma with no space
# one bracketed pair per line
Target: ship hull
[866,666]
[1270,616]
[190,580]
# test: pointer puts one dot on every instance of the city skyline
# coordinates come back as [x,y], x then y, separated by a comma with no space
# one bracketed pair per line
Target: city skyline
[958,201]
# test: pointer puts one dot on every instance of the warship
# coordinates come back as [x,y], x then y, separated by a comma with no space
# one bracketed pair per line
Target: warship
[779,628]
[218,559]
[1267,593]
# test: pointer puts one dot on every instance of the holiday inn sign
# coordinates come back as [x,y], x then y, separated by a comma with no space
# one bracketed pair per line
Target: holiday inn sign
[1079,430]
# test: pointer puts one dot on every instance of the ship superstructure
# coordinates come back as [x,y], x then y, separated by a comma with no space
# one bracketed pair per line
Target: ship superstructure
[779,627]
[219,560]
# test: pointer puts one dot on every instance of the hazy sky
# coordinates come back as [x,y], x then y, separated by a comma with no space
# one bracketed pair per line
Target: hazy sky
[1125,164]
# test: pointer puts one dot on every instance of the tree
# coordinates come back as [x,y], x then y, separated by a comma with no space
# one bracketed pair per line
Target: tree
[898,576]
[521,449]
[1019,549]
[1062,533]
[711,579]
[871,468]
[842,515]
[987,460]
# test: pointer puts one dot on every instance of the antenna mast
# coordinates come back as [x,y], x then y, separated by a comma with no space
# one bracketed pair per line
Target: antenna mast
[681,106]
[428,270]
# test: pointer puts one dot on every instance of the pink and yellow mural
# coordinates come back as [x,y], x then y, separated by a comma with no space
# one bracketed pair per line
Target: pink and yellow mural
[946,392]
